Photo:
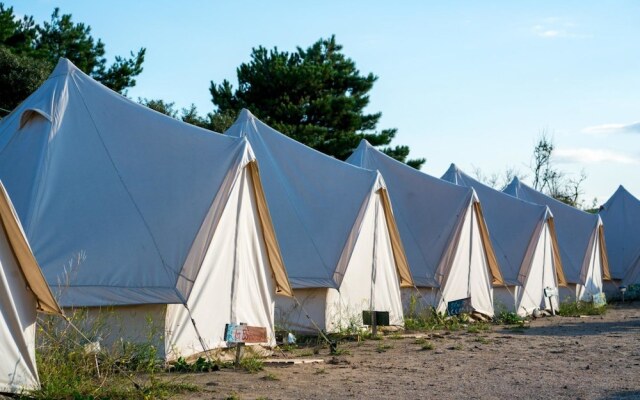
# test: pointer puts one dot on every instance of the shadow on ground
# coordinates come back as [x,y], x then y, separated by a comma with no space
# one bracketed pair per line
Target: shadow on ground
[624,395]
[586,326]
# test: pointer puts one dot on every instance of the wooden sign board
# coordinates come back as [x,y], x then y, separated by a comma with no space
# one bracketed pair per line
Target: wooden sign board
[458,307]
[239,333]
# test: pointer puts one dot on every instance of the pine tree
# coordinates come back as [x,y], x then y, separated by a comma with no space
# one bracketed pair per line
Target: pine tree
[316,95]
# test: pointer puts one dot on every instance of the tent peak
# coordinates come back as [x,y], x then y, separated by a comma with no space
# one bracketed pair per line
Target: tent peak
[64,67]
[245,113]
[624,192]
[364,145]
[453,168]
[623,189]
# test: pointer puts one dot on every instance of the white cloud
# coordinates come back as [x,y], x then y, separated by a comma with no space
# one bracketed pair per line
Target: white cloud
[608,129]
[550,33]
[554,27]
[592,156]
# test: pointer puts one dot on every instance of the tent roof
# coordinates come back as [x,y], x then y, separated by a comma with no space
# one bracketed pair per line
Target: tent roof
[427,210]
[315,201]
[574,227]
[112,195]
[511,222]
[621,218]
[26,261]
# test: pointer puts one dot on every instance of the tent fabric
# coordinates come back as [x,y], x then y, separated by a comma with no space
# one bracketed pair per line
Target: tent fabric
[604,255]
[621,218]
[524,240]
[236,282]
[557,260]
[22,252]
[438,223]
[577,232]
[23,292]
[336,229]
[317,204]
[511,240]
[491,255]
[369,283]
[399,257]
[113,195]
[279,274]
[234,285]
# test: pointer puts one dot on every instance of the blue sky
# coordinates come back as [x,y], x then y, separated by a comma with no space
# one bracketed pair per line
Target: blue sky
[467,82]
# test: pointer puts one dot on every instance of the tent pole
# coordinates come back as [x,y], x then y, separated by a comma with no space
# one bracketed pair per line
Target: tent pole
[331,344]
[202,343]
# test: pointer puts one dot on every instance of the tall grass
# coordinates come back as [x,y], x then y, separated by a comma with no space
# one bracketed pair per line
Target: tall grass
[421,318]
[71,367]
[578,308]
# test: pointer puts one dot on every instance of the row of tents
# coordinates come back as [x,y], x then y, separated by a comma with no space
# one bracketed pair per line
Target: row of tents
[130,210]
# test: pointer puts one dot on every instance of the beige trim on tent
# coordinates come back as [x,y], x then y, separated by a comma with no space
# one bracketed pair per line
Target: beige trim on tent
[27,262]
[406,280]
[270,240]
[492,261]
[604,258]
[562,281]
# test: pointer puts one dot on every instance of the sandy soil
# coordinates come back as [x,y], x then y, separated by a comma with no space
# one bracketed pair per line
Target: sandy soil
[555,358]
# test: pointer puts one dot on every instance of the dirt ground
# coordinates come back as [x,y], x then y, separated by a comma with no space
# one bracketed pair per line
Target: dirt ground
[595,357]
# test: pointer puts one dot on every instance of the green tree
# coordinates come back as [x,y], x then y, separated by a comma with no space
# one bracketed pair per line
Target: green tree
[28,46]
[160,106]
[189,115]
[19,77]
[316,96]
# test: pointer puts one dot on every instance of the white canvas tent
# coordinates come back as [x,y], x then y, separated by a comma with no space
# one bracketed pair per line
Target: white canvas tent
[23,292]
[336,230]
[580,239]
[443,232]
[130,208]
[525,243]
[621,218]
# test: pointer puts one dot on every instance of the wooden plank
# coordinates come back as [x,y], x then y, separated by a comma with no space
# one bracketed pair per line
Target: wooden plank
[238,333]
[293,361]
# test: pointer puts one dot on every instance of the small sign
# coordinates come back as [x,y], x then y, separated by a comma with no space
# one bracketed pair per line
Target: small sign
[599,300]
[382,318]
[457,307]
[239,333]
[550,292]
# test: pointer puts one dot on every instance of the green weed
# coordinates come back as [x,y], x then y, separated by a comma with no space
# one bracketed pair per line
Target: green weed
[270,377]
[382,347]
[508,318]
[252,364]
[578,308]
[427,346]
[482,340]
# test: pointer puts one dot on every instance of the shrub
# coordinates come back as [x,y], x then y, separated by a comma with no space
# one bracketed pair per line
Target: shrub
[577,308]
